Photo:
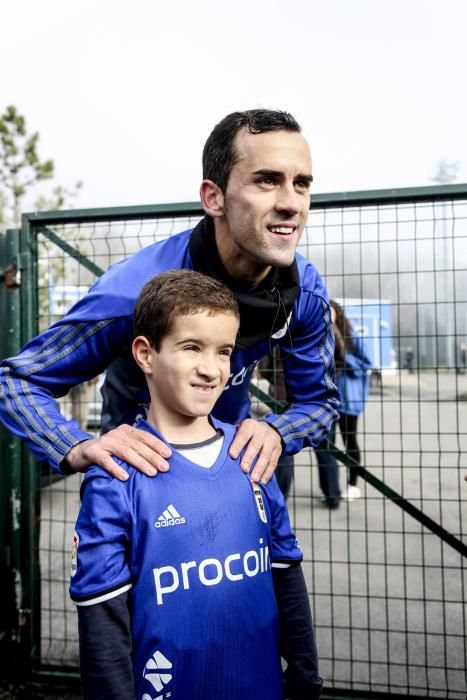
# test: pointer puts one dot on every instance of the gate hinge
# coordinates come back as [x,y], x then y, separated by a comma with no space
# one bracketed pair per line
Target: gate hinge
[23,615]
[11,277]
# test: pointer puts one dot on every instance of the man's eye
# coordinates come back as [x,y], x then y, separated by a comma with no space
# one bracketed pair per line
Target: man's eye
[191,347]
[267,181]
[226,353]
[302,184]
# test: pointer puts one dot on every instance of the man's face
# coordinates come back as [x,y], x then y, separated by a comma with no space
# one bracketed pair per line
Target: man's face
[192,367]
[266,202]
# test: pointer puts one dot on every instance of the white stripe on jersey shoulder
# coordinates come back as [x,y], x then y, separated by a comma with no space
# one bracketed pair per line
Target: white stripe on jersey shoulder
[105,596]
[280,565]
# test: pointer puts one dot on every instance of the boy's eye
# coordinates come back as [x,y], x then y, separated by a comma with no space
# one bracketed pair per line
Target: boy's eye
[226,353]
[191,347]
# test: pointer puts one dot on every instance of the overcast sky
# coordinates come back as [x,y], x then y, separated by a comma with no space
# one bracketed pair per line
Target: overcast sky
[124,93]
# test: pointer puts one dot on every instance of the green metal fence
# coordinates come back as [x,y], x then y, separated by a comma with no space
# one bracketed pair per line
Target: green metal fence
[386,572]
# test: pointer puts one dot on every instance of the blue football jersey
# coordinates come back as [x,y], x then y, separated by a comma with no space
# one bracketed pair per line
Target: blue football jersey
[196,547]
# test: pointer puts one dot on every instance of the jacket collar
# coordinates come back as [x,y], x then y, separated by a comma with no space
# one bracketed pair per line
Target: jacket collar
[265,308]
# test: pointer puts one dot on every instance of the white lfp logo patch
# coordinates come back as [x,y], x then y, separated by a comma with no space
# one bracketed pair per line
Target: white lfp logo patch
[155,671]
[282,331]
[259,502]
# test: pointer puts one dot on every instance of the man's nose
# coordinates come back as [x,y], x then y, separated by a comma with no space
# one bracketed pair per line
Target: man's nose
[288,199]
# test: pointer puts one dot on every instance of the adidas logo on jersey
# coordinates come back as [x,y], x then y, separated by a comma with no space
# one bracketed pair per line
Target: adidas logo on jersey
[155,672]
[169,518]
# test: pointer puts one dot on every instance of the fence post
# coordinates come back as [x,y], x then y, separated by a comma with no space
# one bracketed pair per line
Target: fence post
[29,614]
[19,495]
[10,473]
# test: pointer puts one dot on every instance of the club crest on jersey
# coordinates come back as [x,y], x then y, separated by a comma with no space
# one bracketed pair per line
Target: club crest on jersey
[259,502]
[74,554]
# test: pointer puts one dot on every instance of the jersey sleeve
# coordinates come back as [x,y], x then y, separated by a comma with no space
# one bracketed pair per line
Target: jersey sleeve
[100,568]
[106,670]
[284,545]
[68,353]
[309,371]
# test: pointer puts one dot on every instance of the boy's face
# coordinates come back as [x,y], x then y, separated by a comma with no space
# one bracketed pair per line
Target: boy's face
[191,369]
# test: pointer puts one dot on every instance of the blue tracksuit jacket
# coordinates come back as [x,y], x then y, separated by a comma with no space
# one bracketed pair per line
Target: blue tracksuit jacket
[353,379]
[98,331]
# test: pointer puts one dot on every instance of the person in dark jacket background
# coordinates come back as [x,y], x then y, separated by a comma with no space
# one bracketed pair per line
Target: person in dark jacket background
[353,381]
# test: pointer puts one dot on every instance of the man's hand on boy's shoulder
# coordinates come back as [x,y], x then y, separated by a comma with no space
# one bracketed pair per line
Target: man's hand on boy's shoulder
[142,450]
[264,443]
[148,454]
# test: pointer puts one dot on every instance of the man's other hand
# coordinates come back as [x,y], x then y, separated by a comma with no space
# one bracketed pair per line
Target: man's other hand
[262,442]
[136,447]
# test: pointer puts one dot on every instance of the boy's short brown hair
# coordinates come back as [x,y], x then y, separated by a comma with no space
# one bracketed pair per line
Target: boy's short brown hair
[178,293]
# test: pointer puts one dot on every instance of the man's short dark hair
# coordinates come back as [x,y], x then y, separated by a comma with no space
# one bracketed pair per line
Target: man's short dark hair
[178,293]
[219,154]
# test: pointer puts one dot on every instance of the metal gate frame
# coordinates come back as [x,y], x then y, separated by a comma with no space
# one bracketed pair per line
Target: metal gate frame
[19,504]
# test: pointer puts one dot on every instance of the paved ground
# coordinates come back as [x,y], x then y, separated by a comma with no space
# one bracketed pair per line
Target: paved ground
[35,692]
[388,597]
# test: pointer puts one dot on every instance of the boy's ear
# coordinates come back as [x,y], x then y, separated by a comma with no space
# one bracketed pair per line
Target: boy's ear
[212,198]
[141,350]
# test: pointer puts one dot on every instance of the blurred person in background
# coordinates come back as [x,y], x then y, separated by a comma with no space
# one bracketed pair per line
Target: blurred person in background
[353,381]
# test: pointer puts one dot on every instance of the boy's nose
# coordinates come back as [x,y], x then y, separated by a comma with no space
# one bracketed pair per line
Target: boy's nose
[208,367]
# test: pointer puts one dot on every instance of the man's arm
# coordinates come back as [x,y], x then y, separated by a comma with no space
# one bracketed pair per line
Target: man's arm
[297,638]
[308,359]
[105,650]
[67,354]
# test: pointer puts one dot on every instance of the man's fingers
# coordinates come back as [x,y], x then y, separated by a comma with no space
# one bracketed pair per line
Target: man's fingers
[113,468]
[263,444]
[266,465]
[265,475]
[243,435]
[142,456]
[140,439]
[136,447]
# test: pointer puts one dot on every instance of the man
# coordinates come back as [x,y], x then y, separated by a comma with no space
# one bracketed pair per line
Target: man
[255,192]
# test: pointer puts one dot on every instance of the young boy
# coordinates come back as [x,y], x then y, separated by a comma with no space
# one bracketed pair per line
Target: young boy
[189,586]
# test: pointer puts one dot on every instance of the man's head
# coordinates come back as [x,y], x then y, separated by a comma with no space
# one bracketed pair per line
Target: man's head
[185,326]
[220,153]
[256,187]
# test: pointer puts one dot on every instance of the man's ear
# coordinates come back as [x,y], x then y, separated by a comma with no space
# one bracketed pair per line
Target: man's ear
[212,198]
[141,350]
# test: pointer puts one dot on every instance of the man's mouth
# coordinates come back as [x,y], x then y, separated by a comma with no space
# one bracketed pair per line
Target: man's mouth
[282,230]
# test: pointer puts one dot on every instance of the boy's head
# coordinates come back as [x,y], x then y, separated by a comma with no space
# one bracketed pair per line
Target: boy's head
[185,326]
[177,293]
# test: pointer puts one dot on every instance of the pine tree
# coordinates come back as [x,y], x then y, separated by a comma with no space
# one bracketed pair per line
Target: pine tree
[20,165]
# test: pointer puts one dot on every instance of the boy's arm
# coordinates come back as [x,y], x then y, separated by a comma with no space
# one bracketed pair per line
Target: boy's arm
[100,579]
[105,650]
[297,638]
